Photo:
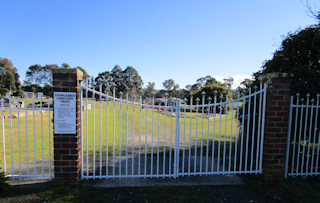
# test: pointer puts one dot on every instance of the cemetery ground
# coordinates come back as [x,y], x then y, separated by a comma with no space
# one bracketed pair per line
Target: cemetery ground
[40,124]
[255,189]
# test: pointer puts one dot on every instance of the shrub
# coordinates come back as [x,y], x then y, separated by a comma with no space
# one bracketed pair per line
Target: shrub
[3,180]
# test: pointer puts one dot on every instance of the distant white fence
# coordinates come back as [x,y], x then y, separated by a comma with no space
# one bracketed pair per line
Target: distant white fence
[303,137]
[124,138]
[26,138]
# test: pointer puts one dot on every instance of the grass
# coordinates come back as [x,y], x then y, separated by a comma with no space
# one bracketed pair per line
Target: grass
[161,126]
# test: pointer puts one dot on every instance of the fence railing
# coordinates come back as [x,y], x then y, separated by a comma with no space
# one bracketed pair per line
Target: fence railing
[27,143]
[303,137]
[136,138]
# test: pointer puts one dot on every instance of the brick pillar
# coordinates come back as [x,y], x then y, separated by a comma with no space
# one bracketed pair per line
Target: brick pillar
[276,125]
[67,147]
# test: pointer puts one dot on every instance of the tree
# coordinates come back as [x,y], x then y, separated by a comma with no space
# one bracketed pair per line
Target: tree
[132,79]
[246,83]
[201,82]
[104,79]
[298,55]
[149,89]
[312,11]
[39,76]
[228,82]
[9,78]
[168,84]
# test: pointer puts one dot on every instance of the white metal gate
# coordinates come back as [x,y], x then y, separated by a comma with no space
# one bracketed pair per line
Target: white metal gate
[133,137]
[26,130]
[303,145]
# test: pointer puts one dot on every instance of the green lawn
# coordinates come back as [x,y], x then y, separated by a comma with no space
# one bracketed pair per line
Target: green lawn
[133,128]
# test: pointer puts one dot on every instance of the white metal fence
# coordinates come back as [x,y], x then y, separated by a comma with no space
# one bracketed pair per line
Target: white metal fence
[26,138]
[303,137]
[124,138]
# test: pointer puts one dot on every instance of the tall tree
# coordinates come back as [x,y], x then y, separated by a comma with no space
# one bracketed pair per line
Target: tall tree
[168,84]
[132,78]
[103,79]
[39,76]
[9,77]
[149,89]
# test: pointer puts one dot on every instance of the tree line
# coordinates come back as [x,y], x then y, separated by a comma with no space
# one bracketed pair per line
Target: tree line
[38,78]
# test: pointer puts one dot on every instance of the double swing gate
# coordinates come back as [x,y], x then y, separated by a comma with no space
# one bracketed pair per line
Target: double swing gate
[124,136]
[133,137]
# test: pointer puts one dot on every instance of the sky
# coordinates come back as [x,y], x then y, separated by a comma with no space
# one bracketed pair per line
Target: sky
[167,39]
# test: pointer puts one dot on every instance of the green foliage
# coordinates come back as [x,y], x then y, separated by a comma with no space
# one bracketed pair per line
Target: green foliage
[128,80]
[168,84]
[299,55]
[3,180]
[9,77]
[39,75]
[149,89]
[216,92]
[39,78]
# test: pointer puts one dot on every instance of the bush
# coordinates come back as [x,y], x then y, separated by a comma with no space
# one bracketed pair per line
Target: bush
[3,180]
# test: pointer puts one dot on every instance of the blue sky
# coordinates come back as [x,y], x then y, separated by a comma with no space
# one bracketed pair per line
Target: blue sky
[182,40]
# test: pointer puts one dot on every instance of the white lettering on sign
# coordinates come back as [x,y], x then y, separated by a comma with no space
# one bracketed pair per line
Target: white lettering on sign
[64,112]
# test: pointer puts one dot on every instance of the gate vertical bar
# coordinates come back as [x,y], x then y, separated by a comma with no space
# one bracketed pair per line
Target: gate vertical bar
[146,142]
[127,109]
[170,148]
[26,127]
[81,129]
[305,133]
[214,129]
[18,109]
[11,148]
[259,126]
[225,134]
[100,95]
[93,131]
[120,133]
[189,161]
[262,126]
[202,125]
[107,129]
[87,147]
[253,127]
[34,139]
[314,133]
[3,138]
[177,135]
[49,138]
[310,137]
[289,136]
[158,147]
[248,130]
[42,172]
[208,129]
[152,130]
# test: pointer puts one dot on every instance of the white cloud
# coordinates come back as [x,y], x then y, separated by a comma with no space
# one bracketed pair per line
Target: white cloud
[237,79]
